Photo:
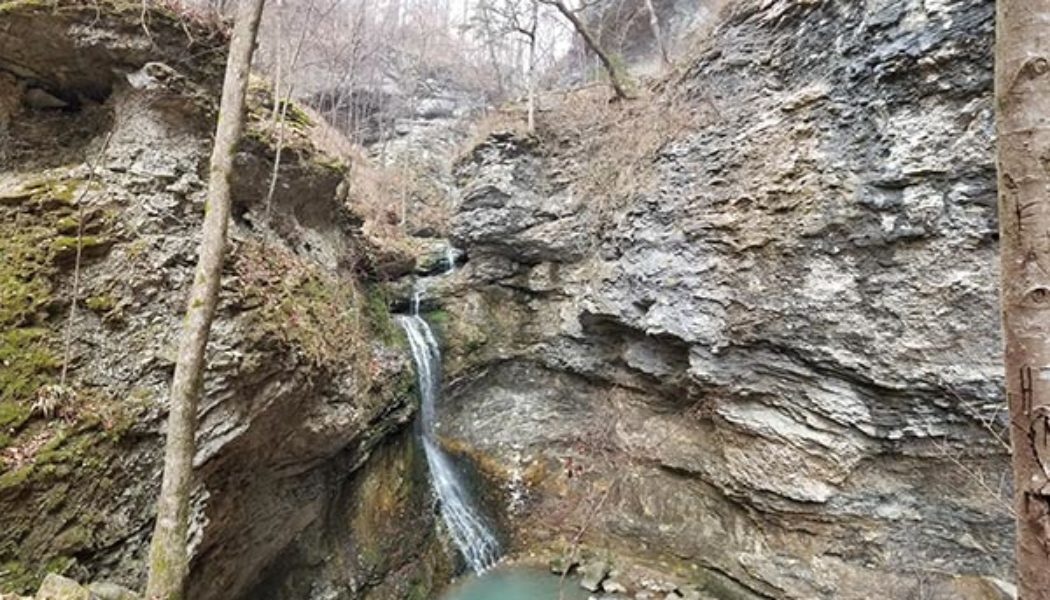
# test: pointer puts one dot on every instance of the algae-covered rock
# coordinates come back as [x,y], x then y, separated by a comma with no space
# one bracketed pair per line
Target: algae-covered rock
[593,573]
[57,587]
[379,540]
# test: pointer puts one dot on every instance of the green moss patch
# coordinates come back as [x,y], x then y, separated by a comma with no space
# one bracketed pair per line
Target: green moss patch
[297,136]
[29,362]
[377,311]
[37,247]
[102,303]
[294,115]
[49,516]
[27,346]
[35,252]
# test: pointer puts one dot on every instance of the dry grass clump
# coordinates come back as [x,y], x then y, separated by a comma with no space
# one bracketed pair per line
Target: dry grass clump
[392,200]
[395,202]
[612,146]
[507,119]
[608,148]
[378,194]
[199,16]
[296,130]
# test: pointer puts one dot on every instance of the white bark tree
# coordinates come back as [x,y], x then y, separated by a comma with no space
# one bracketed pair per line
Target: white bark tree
[1022,89]
[169,560]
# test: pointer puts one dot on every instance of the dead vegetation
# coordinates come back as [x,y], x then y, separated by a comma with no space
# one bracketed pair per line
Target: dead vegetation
[315,312]
[196,21]
[608,149]
[612,146]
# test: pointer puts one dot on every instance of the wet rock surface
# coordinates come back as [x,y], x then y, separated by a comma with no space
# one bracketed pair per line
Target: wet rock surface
[774,367]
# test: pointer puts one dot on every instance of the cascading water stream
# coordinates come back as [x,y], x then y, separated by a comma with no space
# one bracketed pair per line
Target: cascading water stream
[465,524]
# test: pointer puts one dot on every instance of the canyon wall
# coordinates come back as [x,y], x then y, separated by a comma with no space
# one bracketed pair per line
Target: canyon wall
[107,120]
[762,351]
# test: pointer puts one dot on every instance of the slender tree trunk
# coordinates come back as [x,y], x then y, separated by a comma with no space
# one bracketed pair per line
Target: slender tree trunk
[169,561]
[1022,93]
[493,58]
[534,21]
[658,35]
[278,80]
[280,108]
[592,43]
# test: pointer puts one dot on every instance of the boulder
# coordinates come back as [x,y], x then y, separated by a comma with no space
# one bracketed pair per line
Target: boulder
[57,587]
[593,574]
[104,590]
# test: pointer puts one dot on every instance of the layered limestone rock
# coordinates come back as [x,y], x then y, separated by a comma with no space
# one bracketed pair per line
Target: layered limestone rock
[377,541]
[304,374]
[767,359]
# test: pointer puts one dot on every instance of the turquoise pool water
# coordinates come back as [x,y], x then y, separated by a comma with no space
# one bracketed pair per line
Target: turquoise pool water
[514,583]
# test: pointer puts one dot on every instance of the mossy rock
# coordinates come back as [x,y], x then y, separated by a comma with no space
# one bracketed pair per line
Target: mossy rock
[294,115]
[102,303]
[51,518]
[380,319]
[321,315]
[56,587]
[59,468]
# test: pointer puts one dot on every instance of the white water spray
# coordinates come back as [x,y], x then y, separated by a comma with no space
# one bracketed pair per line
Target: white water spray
[465,524]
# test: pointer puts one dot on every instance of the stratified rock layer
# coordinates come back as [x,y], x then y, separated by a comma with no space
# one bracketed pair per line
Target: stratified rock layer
[772,365]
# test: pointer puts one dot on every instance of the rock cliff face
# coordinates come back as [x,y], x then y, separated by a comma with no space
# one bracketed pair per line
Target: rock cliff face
[743,335]
[770,363]
[107,121]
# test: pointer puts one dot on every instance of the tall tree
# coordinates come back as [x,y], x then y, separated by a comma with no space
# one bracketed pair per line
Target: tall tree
[522,18]
[1022,90]
[169,560]
[581,28]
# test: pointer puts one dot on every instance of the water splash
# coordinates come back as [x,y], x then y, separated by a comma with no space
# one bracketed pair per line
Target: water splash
[465,524]
[450,258]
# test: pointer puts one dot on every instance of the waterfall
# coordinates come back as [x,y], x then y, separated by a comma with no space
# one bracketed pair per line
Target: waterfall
[450,258]
[465,524]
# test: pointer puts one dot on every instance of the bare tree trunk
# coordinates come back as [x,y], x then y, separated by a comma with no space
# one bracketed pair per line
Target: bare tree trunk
[169,562]
[280,109]
[592,43]
[490,46]
[654,23]
[1022,92]
[278,80]
[534,21]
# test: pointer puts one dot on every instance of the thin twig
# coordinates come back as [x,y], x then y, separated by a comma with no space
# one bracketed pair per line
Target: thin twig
[971,473]
[281,110]
[68,341]
[972,411]
[574,549]
[143,17]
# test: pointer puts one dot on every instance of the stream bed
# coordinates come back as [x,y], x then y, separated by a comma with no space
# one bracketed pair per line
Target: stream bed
[515,583]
